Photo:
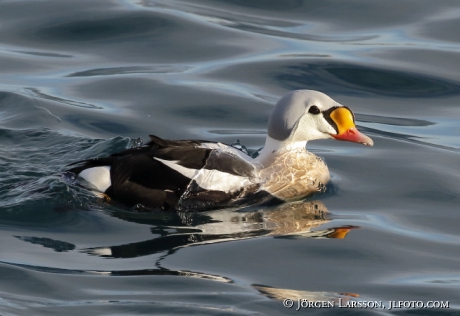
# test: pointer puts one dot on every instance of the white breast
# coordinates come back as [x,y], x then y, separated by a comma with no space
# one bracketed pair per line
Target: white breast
[294,175]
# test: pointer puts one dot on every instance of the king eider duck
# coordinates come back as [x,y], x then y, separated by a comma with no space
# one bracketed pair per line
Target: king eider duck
[192,175]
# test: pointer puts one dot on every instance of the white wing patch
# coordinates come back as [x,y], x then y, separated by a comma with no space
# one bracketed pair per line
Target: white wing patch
[186,172]
[209,179]
[97,176]
[220,181]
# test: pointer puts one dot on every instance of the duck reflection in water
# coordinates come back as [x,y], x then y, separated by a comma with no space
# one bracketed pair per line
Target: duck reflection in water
[300,299]
[290,220]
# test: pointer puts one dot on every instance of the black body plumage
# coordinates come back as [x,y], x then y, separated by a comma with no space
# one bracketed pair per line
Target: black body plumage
[138,178]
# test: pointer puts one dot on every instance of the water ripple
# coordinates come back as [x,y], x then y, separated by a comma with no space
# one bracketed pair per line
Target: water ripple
[81,78]
[159,69]
[366,79]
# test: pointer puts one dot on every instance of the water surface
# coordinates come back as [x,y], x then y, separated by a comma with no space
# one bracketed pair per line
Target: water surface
[84,79]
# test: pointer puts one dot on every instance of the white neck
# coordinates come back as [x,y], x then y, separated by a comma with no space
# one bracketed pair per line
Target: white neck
[273,147]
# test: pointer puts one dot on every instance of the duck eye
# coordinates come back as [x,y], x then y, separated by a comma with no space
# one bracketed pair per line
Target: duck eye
[314,110]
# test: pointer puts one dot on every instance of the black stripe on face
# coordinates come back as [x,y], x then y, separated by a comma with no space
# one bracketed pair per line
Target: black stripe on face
[327,116]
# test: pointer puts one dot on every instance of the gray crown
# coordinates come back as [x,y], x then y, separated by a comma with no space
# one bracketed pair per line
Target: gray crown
[289,109]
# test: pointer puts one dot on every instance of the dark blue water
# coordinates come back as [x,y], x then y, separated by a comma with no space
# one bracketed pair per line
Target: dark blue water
[82,79]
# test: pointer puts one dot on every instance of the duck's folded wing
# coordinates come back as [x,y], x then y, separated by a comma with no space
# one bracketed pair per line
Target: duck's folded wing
[223,181]
[185,175]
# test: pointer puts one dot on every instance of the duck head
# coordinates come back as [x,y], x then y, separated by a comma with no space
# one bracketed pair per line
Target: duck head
[304,115]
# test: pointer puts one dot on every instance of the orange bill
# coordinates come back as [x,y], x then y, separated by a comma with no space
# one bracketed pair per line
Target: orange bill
[343,118]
